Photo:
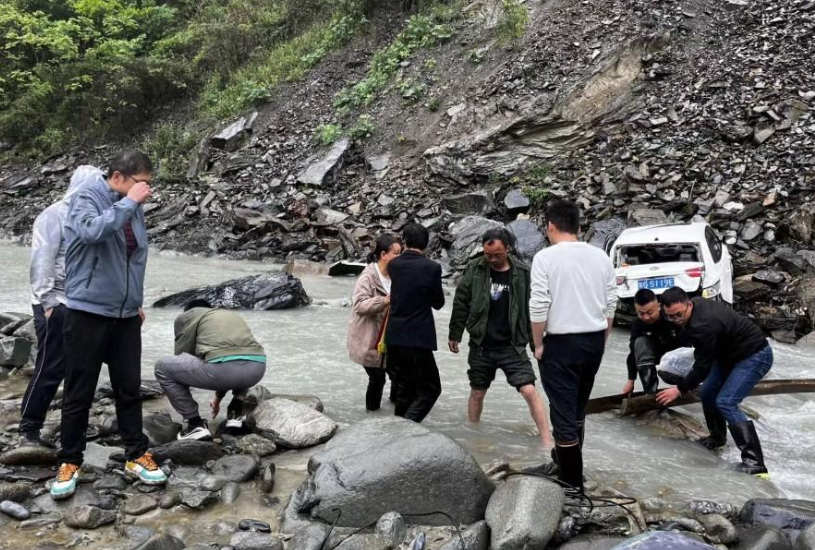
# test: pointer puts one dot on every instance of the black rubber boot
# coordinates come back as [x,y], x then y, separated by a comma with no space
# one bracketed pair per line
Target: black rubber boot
[746,438]
[717,426]
[649,378]
[570,460]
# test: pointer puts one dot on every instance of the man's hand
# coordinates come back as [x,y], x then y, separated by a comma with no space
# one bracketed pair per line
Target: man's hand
[215,405]
[453,345]
[666,397]
[388,300]
[48,312]
[140,192]
[142,316]
[539,352]
[628,388]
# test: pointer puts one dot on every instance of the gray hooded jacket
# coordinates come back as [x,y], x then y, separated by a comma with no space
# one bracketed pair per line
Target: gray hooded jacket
[100,277]
[47,270]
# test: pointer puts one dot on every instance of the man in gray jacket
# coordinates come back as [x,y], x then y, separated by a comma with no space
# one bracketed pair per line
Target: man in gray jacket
[47,275]
[105,260]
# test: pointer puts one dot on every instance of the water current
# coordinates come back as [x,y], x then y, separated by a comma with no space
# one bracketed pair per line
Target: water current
[306,349]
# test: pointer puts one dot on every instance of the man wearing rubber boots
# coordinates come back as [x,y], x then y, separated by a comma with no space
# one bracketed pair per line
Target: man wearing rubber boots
[651,336]
[105,260]
[731,355]
[573,299]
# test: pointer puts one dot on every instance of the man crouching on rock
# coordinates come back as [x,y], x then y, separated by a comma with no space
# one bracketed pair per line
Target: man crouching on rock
[731,355]
[105,260]
[214,350]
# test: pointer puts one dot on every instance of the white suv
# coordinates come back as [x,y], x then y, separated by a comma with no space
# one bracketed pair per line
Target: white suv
[658,257]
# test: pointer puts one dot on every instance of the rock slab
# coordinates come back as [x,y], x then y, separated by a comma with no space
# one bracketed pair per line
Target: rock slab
[267,291]
[248,540]
[386,464]
[189,452]
[662,540]
[88,517]
[524,513]
[291,424]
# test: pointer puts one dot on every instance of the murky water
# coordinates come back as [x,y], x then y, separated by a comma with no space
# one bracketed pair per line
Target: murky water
[307,354]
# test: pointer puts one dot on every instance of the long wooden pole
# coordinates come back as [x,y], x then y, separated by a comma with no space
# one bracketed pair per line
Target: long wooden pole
[640,402]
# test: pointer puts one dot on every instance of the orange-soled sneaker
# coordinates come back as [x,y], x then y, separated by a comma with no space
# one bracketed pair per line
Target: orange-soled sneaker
[145,470]
[65,483]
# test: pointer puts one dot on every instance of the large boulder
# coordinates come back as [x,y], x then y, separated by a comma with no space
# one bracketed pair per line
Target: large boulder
[477,202]
[188,452]
[603,233]
[791,516]
[325,169]
[524,513]
[14,351]
[291,424]
[467,238]
[663,540]
[528,239]
[806,540]
[266,291]
[236,467]
[386,464]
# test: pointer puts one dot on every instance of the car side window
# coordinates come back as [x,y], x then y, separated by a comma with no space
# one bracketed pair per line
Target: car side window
[714,244]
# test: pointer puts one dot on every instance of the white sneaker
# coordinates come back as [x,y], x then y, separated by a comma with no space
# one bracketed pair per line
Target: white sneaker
[197,433]
[235,423]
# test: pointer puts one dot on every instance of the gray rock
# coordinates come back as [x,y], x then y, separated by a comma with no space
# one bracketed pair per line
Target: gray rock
[136,534]
[232,135]
[17,492]
[391,529]
[591,542]
[662,540]
[467,238]
[325,170]
[96,456]
[603,233]
[161,542]
[266,291]
[528,239]
[198,499]
[14,351]
[806,540]
[257,445]
[309,537]
[247,540]
[475,537]
[160,428]
[195,453]
[110,481]
[42,521]
[478,202]
[29,455]
[751,230]
[230,492]
[646,216]
[331,217]
[149,389]
[524,512]
[17,511]
[137,505]
[291,424]
[267,478]
[236,467]
[516,202]
[719,529]
[378,163]
[84,496]
[212,483]
[385,464]
[763,538]
[85,516]
[169,499]
[791,516]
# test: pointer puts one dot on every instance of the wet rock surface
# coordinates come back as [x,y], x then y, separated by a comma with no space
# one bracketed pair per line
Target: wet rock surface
[291,424]
[524,512]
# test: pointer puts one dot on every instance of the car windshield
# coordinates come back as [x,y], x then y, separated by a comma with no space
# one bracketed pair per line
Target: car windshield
[644,254]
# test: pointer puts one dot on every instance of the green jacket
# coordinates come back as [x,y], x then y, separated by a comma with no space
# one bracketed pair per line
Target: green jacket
[212,333]
[471,305]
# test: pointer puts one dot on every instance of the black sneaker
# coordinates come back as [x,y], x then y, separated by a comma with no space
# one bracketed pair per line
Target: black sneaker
[32,439]
[235,416]
[196,430]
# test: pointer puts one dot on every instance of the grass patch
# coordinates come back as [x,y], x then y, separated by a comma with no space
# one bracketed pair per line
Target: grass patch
[326,134]
[169,146]
[364,128]
[512,22]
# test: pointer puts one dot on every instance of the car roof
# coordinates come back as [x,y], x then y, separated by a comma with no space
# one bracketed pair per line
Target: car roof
[667,233]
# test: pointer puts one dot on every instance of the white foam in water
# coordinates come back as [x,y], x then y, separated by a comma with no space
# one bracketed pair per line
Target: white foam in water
[306,349]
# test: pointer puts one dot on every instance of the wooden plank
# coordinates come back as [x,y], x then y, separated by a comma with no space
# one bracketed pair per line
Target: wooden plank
[640,402]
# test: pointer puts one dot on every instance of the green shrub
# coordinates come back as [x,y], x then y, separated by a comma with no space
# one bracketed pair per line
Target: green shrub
[170,147]
[364,128]
[538,196]
[326,134]
[434,104]
[512,22]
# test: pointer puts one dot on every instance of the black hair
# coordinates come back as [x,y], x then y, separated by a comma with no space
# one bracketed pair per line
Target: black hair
[674,295]
[565,215]
[130,162]
[498,234]
[415,236]
[644,296]
[384,242]
[197,302]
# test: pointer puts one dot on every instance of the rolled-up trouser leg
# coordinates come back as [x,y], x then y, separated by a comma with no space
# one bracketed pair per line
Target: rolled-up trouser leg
[646,360]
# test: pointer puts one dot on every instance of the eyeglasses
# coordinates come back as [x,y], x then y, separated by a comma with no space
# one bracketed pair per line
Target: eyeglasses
[138,181]
[676,316]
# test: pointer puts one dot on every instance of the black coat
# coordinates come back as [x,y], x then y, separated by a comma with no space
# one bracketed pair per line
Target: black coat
[415,289]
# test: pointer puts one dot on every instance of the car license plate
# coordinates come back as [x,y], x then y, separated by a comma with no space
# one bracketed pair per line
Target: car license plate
[662,282]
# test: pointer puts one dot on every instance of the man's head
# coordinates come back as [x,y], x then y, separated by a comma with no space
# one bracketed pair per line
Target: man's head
[128,168]
[198,302]
[677,305]
[563,219]
[497,243]
[415,236]
[647,306]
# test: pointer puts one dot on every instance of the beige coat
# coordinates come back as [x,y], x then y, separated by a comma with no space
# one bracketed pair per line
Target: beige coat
[368,309]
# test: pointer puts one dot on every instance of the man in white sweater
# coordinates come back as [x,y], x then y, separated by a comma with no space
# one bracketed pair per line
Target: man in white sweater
[571,307]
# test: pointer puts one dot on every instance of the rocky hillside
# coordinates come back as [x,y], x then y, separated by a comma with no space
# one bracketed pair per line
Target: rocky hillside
[643,111]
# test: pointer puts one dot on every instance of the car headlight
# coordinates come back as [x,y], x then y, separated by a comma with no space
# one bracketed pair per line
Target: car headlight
[712,291]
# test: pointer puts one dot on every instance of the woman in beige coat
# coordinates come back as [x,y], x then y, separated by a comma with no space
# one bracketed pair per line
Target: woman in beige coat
[369,307]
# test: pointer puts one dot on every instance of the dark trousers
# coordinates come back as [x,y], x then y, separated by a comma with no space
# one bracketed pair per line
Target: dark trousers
[49,369]
[415,380]
[91,340]
[376,384]
[646,358]
[568,368]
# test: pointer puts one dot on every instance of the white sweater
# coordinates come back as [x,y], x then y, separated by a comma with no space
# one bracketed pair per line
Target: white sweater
[574,288]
